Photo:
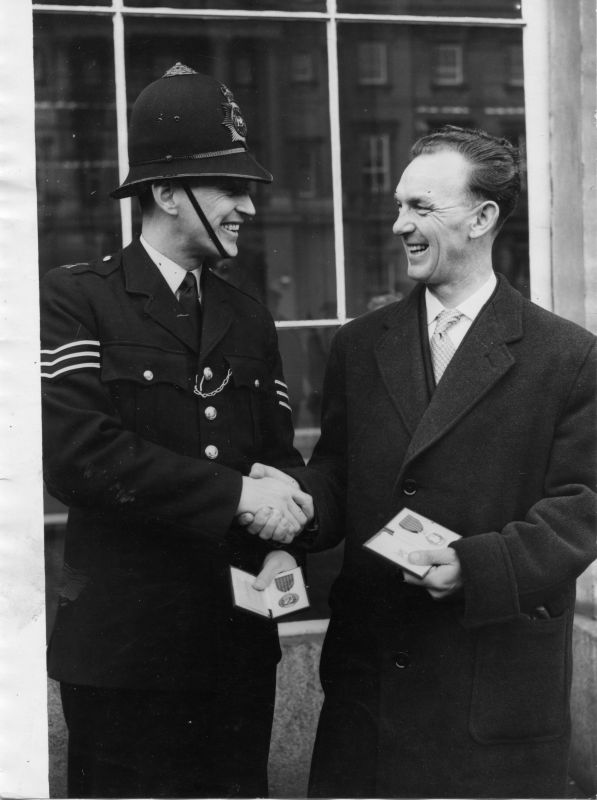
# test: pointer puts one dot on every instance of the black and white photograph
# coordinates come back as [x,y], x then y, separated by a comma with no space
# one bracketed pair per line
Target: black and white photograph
[298,354]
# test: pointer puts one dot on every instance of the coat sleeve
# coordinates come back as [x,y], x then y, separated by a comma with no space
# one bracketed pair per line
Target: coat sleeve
[90,459]
[534,560]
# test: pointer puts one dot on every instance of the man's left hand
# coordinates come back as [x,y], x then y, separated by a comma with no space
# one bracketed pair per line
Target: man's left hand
[274,562]
[445,576]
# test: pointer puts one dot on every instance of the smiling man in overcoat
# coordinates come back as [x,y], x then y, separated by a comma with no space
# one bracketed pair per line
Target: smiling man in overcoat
[471,406]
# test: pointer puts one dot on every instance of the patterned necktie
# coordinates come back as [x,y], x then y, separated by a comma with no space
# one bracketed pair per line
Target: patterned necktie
[442,347]
[188,298]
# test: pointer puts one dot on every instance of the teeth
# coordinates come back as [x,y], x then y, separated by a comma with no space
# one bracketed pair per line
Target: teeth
[231,227]
[417,248]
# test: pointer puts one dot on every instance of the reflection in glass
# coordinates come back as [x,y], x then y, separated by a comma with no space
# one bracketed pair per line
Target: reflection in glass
[444,8]
[75,121]
[398,82]
[278,74]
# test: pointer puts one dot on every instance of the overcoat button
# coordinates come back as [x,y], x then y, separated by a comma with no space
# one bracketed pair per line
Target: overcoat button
[207,374]
[148,375]
[211,412]
[402,660]
[257,383]
[211,451]
[409,487]
[107,258]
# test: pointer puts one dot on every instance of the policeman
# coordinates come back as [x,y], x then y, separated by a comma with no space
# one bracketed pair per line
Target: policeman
[162,384]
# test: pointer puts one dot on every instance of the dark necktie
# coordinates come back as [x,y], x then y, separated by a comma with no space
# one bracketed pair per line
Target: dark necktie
[188,298]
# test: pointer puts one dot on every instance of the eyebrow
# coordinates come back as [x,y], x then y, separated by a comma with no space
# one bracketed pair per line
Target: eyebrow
[414,201]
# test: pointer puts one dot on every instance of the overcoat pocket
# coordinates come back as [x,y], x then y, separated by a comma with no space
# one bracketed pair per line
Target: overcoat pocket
[521,681]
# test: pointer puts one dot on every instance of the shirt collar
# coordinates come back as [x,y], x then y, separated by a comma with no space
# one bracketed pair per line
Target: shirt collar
[469,307]
[172,272]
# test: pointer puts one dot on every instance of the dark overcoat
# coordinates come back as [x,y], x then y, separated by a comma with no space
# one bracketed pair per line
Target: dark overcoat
[152,474]
[468,697]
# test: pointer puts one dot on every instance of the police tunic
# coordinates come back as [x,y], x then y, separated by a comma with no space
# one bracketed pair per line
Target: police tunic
[146,440]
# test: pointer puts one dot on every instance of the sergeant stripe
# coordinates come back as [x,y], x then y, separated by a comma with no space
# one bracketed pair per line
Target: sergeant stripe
[281,383]
[71,344]
[69,369]
[285,405]
[92,353]
[78,352]
[282,394]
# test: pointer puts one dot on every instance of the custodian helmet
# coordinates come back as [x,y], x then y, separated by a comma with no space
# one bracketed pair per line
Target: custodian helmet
[187,125]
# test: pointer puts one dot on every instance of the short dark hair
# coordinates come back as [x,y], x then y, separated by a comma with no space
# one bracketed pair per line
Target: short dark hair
[495,162]
[145,197]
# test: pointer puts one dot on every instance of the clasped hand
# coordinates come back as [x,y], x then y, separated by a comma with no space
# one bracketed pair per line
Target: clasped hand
[272,505]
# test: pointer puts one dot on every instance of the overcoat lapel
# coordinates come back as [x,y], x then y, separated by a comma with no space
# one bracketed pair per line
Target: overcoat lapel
[480,362]
[142,277]
[401,363]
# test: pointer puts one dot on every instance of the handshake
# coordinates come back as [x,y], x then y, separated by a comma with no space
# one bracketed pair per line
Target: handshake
[272,505]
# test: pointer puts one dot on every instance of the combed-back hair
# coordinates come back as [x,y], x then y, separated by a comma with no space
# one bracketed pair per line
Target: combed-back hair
[495,163]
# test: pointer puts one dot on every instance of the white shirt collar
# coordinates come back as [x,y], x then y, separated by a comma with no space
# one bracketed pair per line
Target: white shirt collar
[469,307]
[172,272]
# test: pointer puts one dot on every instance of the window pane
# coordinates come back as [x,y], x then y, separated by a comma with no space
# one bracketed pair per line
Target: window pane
[435,76]
[226,5]
[75,120]
[443,8]
[304,355]
[278,74]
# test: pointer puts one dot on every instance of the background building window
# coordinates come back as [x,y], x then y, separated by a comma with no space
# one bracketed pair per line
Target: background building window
[302,68]
[448,67]
[514,66]
[373,63]
[376,163]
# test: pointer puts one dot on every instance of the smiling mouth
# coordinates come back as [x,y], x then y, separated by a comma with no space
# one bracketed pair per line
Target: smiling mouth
[416,249]
[231,227]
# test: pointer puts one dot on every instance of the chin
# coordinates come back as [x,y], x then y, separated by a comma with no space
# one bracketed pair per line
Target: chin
[417,273]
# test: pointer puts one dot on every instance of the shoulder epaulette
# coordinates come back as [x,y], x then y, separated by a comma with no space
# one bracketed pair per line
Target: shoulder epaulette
[102,266]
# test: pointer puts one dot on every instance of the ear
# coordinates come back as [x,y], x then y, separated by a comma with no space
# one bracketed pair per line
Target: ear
[164,197]
[485,219]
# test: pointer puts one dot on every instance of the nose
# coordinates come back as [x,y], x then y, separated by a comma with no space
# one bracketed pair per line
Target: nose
[403,224]
[245,205]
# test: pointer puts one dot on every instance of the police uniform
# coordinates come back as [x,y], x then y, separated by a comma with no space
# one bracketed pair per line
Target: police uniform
[147,435]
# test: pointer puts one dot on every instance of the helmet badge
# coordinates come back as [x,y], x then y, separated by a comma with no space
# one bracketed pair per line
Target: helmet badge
[233,119]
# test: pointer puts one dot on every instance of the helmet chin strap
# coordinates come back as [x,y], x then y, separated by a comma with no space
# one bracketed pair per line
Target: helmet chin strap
[199,211]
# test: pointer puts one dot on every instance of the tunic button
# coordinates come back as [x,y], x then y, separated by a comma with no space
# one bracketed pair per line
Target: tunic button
[211,412]
[402,660]
[409,487]
[148,375]
[107,258]
[207,374]
[257,383]
[211,451]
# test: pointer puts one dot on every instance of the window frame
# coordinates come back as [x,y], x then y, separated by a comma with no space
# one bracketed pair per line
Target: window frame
[534,25]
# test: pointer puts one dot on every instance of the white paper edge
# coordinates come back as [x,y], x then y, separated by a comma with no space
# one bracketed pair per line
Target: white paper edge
[23,696]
